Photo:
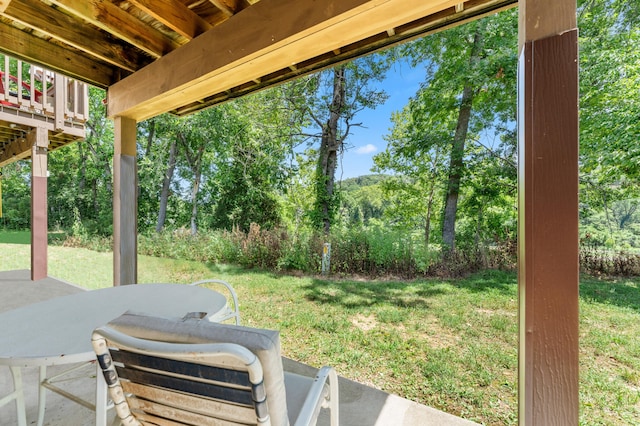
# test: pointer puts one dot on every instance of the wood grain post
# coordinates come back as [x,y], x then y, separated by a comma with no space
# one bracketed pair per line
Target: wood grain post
[548,213]
[38,139]
[125,203]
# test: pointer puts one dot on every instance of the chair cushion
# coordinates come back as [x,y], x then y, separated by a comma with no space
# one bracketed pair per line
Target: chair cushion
[265,344]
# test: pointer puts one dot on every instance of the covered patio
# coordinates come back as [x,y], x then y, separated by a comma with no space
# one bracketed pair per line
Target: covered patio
[182,56]
[359,404]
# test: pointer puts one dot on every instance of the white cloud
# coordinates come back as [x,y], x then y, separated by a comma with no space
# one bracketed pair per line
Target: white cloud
[366,149]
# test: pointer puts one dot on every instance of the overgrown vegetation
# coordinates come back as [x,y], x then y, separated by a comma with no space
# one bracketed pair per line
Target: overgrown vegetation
[447,343]
[354,252]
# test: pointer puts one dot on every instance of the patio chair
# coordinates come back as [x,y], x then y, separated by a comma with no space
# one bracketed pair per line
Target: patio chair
[190,372]
[229,312]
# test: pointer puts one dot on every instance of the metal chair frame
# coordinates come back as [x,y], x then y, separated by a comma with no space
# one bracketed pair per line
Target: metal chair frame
[178,383]
[229,312]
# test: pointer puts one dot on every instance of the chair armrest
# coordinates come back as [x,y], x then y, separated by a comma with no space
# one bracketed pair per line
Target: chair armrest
[317,398]
[229,313]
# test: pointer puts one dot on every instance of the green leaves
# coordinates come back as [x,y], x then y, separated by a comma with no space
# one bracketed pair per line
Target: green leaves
[609,116]
[458,128]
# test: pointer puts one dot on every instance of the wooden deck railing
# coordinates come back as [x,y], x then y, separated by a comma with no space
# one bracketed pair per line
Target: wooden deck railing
[40,91]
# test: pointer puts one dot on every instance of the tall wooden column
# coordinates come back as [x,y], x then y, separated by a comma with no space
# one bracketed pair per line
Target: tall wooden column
[125,203]
[38,139]
[548,212]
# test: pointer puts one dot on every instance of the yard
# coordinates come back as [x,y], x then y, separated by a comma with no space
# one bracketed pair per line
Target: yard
[449,344]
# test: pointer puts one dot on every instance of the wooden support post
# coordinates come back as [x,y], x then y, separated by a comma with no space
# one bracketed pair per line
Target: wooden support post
[548,212]
[38,139]
[125,203]
[60,101]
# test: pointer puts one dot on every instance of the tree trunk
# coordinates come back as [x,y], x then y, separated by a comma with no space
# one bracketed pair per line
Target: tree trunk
[456,168]
[150,136]
[83,168]
[195,163]
[456,164]
[606,212]
[427,224]
[166,185]
[329,146]
[194,201]
[94,193]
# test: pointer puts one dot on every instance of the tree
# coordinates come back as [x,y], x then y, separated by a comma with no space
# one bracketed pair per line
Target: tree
[488,207]
[297,200]
[456,164]
[469,87]
[166,185]
[330,143]
[251,166]
[609,111]
[16,195]
[338,95]
[195,135]
[609,100]
[415,155]
[81,179]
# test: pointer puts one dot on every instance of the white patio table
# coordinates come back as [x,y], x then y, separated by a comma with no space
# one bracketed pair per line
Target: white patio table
[58,331]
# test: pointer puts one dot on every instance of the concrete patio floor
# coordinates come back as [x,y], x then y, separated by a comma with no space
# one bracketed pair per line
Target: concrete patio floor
[360,405]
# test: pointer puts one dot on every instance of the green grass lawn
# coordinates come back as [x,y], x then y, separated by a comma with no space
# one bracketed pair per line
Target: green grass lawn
[15,237]
[450,344]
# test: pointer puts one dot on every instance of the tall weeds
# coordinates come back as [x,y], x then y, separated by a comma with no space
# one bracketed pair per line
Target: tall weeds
[354,251]
[598,261]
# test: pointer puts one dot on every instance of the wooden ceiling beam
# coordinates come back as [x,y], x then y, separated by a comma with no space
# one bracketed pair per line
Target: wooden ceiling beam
[29,48]
[110,18]
[275,34]
[174,15]
[228,7]
[60,26]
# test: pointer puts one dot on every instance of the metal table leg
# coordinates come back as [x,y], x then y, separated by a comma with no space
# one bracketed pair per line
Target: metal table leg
[18,395]
[42,395]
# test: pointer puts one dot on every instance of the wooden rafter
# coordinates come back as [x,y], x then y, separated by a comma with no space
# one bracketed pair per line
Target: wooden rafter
[174,15]
[62,27]
[111,18]
[228,7]
[35,50]
[231,7]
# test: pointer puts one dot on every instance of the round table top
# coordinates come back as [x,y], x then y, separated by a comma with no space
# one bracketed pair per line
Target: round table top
[58,331]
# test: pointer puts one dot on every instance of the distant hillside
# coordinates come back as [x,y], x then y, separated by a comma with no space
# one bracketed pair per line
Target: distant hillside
[353,184]
[362,198]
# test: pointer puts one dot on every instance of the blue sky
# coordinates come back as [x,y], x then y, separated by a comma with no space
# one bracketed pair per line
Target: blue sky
[401,83]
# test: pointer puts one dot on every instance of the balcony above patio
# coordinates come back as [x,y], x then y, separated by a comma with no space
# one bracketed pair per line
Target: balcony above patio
[32,97]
